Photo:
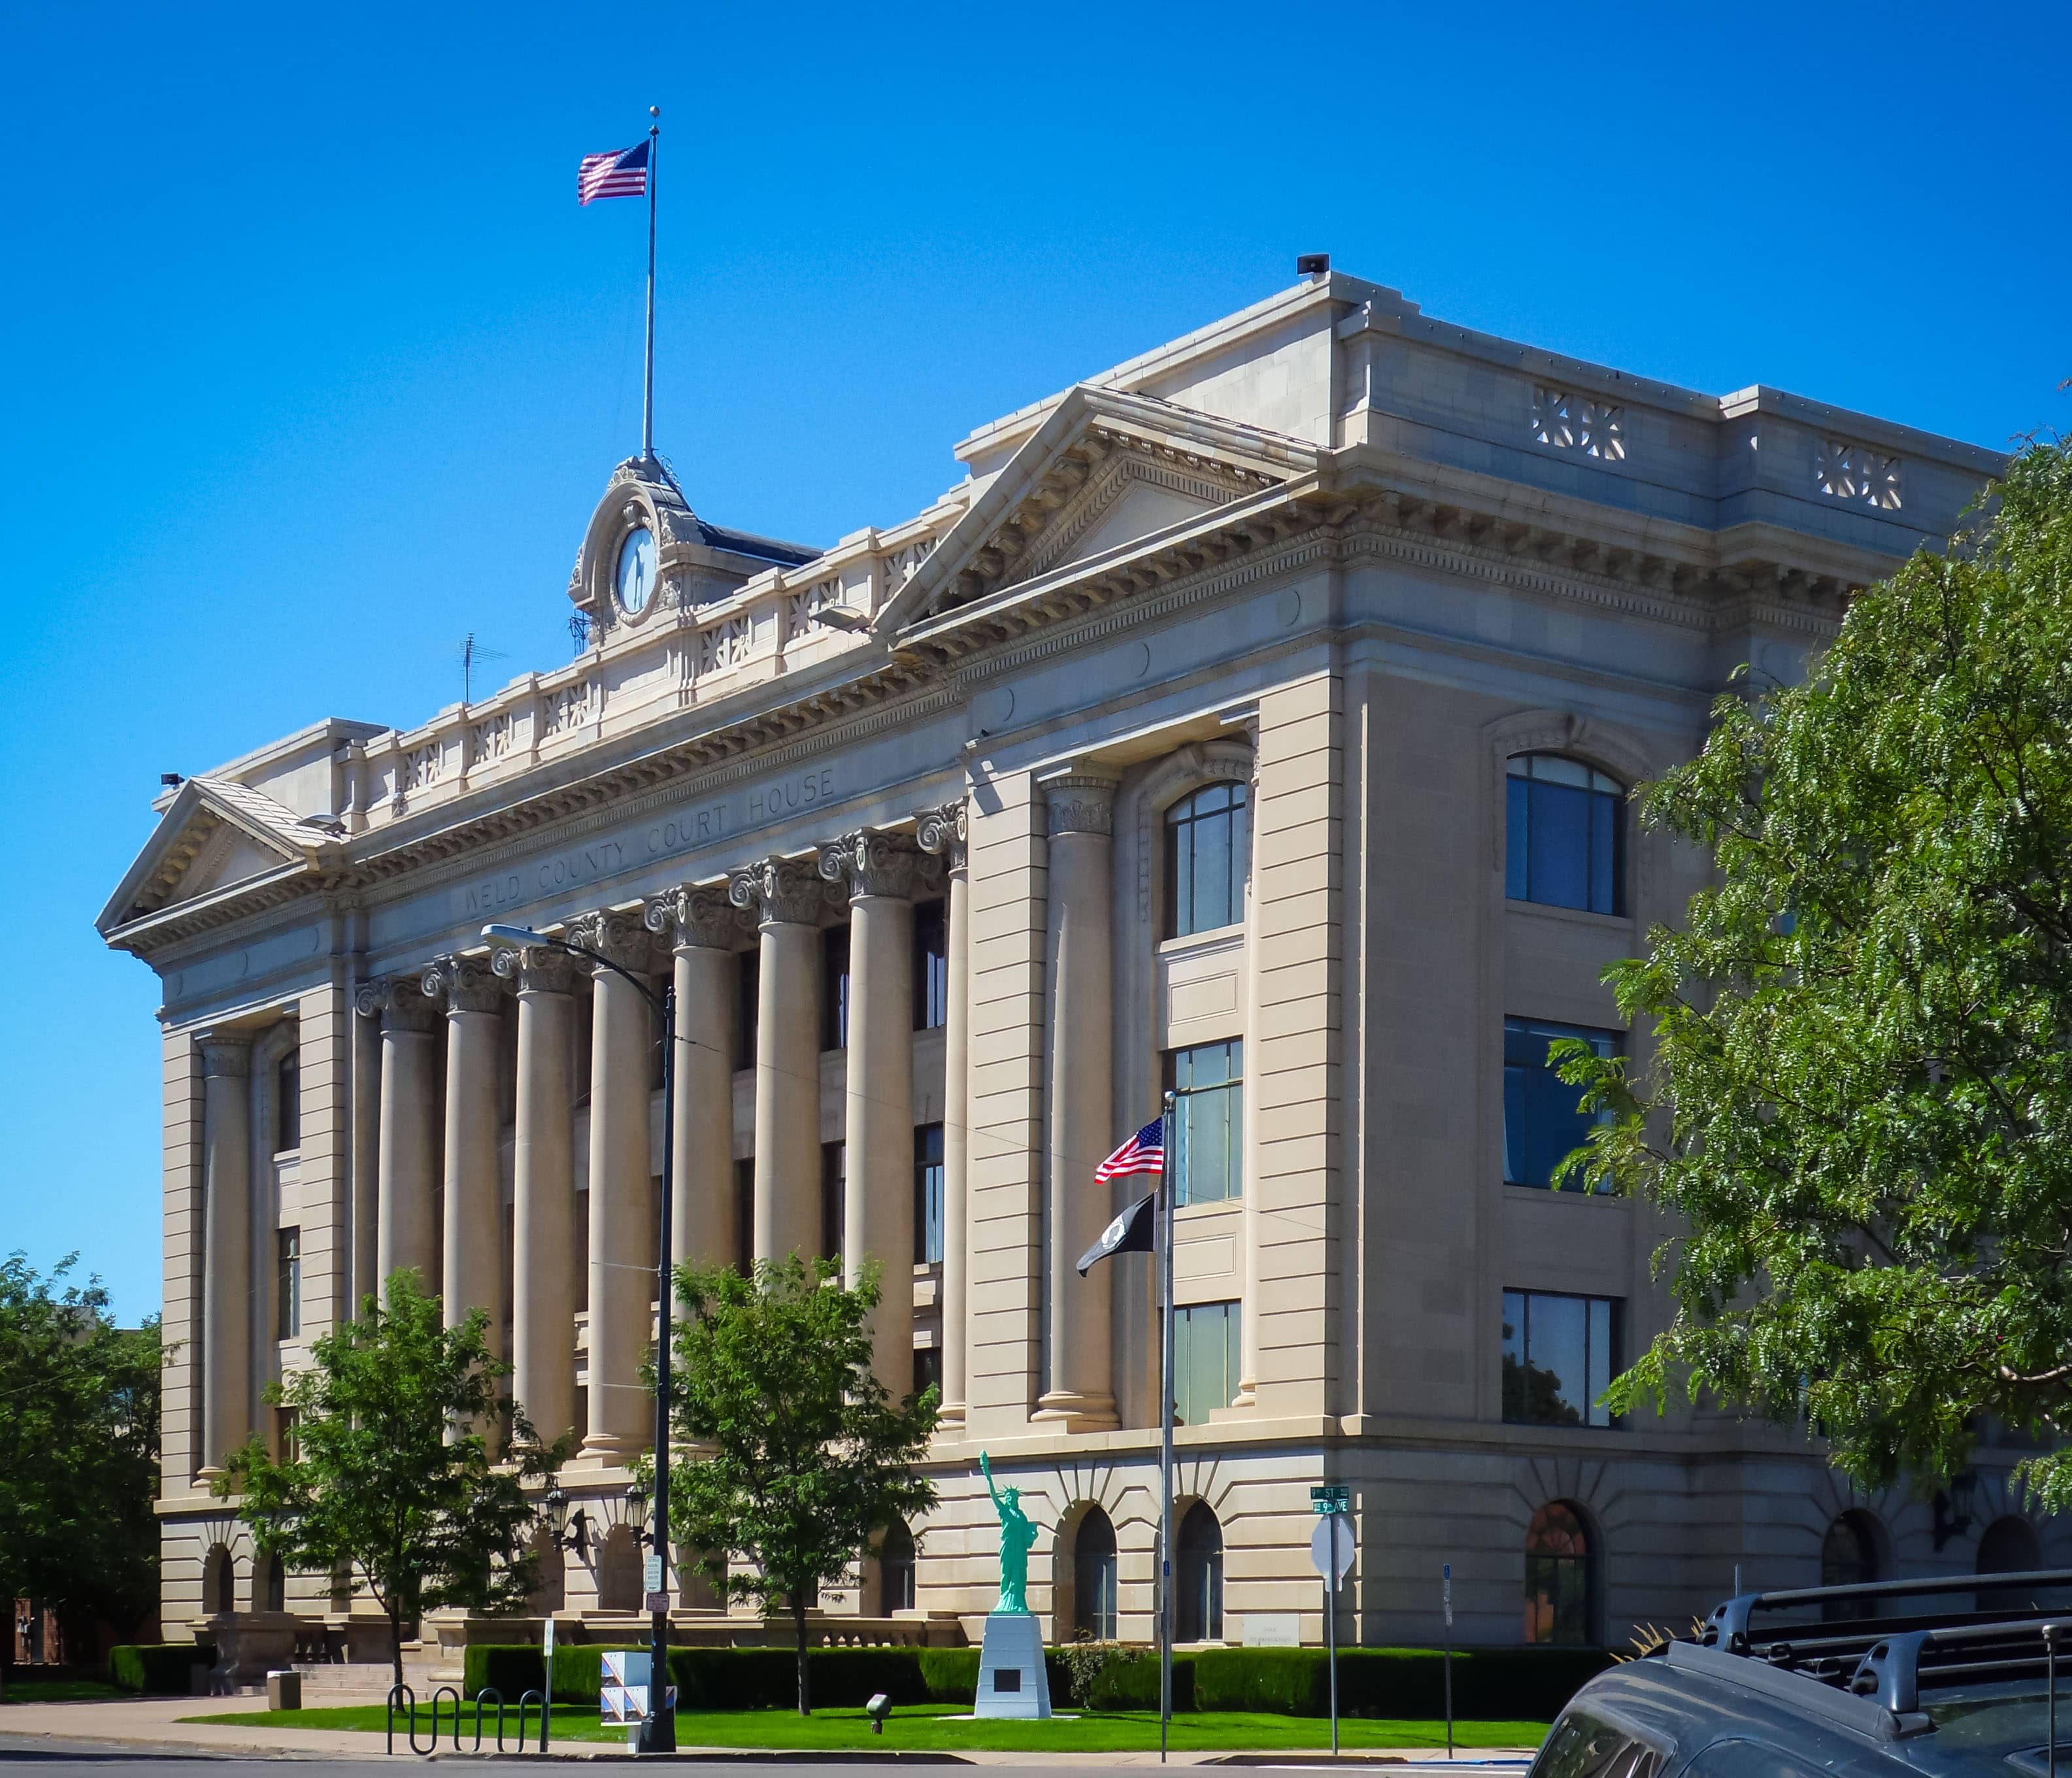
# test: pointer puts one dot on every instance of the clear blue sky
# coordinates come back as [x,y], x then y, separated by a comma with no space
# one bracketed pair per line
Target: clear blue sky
[312,365]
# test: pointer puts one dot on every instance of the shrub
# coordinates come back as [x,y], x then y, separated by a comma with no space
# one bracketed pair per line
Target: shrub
[510,1670]
[950,1675]
[1519,1684]
[1130,1682]
[738,1679]
[161,1669]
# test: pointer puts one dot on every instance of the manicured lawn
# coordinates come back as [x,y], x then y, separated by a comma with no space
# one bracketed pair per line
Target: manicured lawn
[924,1727]
[60,1691]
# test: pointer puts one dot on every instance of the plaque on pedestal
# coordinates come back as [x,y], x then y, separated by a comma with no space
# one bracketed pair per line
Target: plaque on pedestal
[1011,1679]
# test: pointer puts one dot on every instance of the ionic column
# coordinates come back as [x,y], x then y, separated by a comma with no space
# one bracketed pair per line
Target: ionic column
[407,1169]
[787,897]
[226,1068]
[1080,1117]
[877,1127]
[943,831]
[622,1244]
[705,927]
[473,1272]
[1247,1387]
[543,1320]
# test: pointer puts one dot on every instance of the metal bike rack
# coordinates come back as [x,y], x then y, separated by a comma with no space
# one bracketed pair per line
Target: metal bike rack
[546,1709]
[394,1691]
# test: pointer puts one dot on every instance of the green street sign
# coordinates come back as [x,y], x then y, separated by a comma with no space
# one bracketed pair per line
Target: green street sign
[1330,1499]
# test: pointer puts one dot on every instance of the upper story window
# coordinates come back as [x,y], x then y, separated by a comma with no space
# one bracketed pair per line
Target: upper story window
[1207,1084]
[931,965]
[1208,850]
[1564,835]
[928,1194]
[1542,1118]
[834,988]
[747,998]
[1560,1353]
[288,1285]
[288,1104]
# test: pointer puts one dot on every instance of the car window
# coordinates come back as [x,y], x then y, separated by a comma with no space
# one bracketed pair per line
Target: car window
[1749,1759]
[1583,1745]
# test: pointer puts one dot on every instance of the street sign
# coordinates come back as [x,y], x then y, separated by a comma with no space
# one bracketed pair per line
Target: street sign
[653,1582]
[1330,1499]
[1331,1547]
[1446,1588]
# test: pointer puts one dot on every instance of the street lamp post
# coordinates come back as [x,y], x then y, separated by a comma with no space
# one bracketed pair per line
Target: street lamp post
[658,1729]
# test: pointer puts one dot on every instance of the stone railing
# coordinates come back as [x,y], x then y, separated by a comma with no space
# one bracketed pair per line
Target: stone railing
[676,656]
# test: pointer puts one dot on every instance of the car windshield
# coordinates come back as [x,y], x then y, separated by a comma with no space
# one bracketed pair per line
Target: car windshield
[2010,1719]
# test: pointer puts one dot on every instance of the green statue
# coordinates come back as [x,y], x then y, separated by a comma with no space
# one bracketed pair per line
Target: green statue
[1016,1533]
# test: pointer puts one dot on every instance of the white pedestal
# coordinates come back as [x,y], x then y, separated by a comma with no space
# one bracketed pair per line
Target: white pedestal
[1011,1679]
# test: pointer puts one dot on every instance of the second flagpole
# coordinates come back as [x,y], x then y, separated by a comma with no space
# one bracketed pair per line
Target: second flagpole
[1168,1190]
[647,397]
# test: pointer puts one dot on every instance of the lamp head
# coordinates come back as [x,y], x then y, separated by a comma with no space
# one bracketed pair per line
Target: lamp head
[511,935]
[879,1707]
[558,1509]
[1963,1496]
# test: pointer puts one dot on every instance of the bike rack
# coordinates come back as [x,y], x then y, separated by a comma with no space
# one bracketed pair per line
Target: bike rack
[404,1691]
[444,1691]
[546,1708]
[400,1696]
[481,1697]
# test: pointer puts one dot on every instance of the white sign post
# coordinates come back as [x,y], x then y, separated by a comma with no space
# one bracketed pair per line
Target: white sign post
[1331,1550]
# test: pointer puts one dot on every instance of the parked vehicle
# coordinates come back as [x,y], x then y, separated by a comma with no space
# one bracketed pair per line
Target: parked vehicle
[1841,1682]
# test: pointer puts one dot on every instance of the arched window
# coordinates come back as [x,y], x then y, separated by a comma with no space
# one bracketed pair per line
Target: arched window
[1197,1578]
[1208,850]
[895,1570]
[1560,1577]
[1850,1556]
[219,1582]
[277,1584]
[2008,1546]
[1564,835]
[1093,1578]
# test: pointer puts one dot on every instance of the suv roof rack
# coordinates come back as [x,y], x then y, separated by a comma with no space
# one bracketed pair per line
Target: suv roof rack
[1894,1659]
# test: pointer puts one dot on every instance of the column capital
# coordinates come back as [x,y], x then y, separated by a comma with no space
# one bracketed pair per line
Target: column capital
[399,1002]
[869,861]
[225,1057]
[615,934]
[1080,802]
[780,891]
[535,969]
[702,916]
[465,983]
[945,832]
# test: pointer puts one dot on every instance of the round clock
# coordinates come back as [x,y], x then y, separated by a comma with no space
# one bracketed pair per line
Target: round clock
[636,571]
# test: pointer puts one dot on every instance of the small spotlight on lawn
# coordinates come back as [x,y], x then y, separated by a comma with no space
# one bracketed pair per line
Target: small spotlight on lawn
[879,1707]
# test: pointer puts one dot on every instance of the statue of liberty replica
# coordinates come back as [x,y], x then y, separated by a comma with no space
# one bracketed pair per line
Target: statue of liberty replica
[1012,1680]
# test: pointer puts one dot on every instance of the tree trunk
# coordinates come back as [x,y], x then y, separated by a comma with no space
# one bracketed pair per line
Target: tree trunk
[805,1685]
[396,1645]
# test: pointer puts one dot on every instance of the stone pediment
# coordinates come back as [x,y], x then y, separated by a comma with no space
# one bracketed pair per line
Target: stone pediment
[1106,473]
[217,836]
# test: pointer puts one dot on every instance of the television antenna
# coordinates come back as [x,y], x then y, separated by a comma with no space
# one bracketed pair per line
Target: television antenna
[472,653]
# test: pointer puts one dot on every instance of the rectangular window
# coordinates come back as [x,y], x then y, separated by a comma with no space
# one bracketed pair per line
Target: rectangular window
[834,1175]
[931,965]
[748,987]
[744,1215]
[287,1440]
[1564,835]
[928,1194]
[288,1095]
[928,1370]
[289,1283]
[834,988]
[1560,1354]
[1208,1134]
[1540,1121]
[1205,1359]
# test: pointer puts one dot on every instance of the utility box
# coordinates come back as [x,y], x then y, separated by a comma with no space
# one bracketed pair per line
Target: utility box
[284,1689]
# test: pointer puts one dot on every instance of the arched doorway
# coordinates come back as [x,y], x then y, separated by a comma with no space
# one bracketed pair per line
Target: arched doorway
[1197,1578]
[1093,1578]
[618,1572]
[895,1570]
[218,1581]
[1851,1555]
[2008,1545]
[1560,1577]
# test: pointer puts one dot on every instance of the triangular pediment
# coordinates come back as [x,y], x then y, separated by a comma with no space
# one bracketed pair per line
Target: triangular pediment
[214,837]
[1106,473]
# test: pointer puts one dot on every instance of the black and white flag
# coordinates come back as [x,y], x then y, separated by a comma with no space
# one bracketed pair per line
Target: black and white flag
[1130,1233]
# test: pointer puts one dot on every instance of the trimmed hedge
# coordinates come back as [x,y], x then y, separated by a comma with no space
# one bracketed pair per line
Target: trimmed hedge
[1528,1684]
[158,1669]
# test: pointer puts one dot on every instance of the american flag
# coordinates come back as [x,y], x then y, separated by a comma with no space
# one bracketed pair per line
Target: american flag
[621,173]
[1143,1152]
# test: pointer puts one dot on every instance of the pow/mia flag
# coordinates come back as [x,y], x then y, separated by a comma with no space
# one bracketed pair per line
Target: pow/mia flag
[1130,1233]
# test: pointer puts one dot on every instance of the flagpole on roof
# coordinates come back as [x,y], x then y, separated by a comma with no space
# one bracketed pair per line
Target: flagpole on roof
[647,397]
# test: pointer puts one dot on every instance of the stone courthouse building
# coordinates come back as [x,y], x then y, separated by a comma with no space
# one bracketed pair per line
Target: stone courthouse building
[1253,718]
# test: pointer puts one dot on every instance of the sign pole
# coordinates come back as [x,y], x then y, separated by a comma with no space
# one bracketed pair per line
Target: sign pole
[1331,1638]
[1168,1185]
[1446,1595]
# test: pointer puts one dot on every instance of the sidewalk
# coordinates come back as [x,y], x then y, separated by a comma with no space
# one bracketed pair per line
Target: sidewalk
[155,1723]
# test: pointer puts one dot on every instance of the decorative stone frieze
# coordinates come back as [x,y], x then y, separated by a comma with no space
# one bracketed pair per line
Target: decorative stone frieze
[945,834]
[701,917]
[1083,802]
[462,984]
[619,936]
[399,1002]
[871,863]
[780,891]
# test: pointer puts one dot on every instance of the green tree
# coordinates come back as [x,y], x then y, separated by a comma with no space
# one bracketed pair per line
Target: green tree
[78,1451]
[802,1457]
[391,1475]
[1859,1105]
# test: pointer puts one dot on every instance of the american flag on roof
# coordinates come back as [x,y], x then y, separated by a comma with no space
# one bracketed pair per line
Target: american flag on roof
[621,173]
[1143,1152]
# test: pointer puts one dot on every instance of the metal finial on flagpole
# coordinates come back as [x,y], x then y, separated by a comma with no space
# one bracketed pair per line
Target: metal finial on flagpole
[647,397]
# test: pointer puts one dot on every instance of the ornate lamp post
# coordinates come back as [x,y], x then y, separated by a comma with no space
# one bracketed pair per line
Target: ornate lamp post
[658,1731]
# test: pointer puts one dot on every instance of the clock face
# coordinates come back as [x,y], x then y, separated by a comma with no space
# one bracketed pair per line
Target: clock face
[636,572]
